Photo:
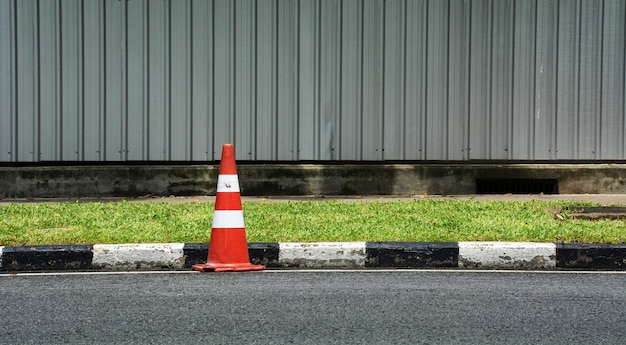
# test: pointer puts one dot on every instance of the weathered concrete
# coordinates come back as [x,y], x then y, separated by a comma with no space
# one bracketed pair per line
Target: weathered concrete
[322,254]
[591,256]
[412,254]
[507,255]
[53,257]
[299,179]
[138,256]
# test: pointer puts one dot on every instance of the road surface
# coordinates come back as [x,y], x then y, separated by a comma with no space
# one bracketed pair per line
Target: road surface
[314,307]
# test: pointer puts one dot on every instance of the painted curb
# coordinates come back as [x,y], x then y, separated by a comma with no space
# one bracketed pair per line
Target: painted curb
[354,255]
[507,255]
[591,256]
[128,257]
[46,258]
[412,255]
[322,254]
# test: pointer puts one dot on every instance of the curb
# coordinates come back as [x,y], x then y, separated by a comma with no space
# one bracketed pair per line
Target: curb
[321,255]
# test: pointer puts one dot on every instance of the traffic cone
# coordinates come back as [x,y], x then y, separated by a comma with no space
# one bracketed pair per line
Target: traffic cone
[228,249]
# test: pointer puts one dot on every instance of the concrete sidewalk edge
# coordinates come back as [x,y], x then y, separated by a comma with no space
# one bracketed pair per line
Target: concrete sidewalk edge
[321,255]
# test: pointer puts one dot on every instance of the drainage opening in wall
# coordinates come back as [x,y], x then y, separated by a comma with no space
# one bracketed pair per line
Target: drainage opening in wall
[517,186]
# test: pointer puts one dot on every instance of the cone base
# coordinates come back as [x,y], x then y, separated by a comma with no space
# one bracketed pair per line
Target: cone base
[212,267]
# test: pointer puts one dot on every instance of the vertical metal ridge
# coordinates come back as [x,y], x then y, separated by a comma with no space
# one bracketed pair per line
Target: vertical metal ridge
[213,148]
[318,76]
[510,119]
[15,143]
[10,88]
[381,67]
[338,109]
[190,154]
[381,89]
[490,82]
[468,40]
[275,87]
[361,88]
[168,113]
[124,137]
[148,82]
[297,110]
[255,79]
[554,121]
[532,145]
[82,77]
[578,73]
[600,81]
[81,85]
[61,89]
[423,117]
[295,70]
[425,146]
[37,134]
[253,84]
[446,123]
[233,71]
[623,147]
[104,82]
[403,142]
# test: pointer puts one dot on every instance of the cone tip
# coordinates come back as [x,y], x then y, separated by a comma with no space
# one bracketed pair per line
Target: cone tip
[227,164]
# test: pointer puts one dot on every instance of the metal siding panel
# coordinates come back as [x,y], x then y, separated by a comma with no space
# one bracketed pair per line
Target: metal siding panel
[224,75]
[308,47]
[458,75]
[330,65]
[590,79]
[393,83]
[287,82]
[158,81]
[137,82]
[480,80]
[612,102]
[415,100]
[437,81]
[202,81]
[523,81]
[115,80]
[501,80]
[372,80]
[351,79]
[27,107]
[7,81]
[93,82]
[567,89]
[266,80]
[49,81]
[71,81]
[245,60]
[180,77]
[312,80]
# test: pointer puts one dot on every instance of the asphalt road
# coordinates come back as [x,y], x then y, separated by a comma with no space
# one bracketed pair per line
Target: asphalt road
[278,307]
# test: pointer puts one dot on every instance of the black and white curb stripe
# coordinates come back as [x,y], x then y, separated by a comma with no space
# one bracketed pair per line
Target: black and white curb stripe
[180,256]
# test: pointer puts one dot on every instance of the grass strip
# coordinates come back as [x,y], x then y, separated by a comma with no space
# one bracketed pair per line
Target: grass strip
[312,221]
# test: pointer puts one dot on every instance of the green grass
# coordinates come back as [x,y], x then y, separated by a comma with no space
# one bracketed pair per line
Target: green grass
[412,221]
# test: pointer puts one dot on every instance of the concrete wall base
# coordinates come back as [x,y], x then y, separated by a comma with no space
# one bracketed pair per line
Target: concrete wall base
[299,179]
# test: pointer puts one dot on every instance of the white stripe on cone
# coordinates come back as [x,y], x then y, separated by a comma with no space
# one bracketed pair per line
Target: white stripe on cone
[228,219]
[227,183]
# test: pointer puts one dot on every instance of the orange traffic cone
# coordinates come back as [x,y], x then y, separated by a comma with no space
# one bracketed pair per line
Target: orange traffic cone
[228,249]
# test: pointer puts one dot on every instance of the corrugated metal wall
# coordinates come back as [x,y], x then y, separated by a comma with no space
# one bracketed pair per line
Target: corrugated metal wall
[171,80]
